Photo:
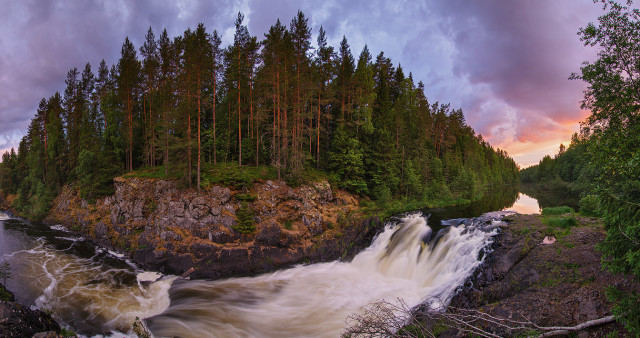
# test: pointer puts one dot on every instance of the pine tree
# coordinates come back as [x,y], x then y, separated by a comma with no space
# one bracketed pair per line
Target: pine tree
[325,59]
[128,79]
[150,70]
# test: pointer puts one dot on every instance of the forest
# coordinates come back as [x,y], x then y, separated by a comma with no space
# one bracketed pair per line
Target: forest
[603,161]
[185,107]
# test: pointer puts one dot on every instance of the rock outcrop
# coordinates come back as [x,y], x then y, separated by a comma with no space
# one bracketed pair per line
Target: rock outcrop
[168,229]
[557,284]
[20,321]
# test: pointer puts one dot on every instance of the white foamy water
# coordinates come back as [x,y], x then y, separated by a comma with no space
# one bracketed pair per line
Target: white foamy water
[84,293]
[4,217]
[406,261]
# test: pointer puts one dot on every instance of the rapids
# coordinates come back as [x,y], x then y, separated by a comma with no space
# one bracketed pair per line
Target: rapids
[94,291]
[406,261]
[86,287]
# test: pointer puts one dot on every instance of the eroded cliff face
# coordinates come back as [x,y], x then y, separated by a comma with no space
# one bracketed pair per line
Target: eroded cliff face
[168,229]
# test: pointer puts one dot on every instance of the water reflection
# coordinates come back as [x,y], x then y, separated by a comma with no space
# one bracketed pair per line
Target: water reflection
[525,205]
[495,200]
[552,195]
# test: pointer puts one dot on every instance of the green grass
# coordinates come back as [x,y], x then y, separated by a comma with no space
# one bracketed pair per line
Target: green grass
[563,222]
[557,210]
[5,295]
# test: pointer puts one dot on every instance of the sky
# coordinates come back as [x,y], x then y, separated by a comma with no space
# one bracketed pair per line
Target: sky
[505,63]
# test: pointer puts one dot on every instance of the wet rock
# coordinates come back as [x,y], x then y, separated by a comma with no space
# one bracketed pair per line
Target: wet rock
[561,284]
[170,236]
[101,231]
[20,321]
[198,208]
[227,221]
[269,234]
[138,209]
[48,334]
[176,228]
[219,236]
[178,264]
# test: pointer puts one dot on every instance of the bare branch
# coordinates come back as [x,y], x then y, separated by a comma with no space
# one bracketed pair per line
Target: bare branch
[385,319]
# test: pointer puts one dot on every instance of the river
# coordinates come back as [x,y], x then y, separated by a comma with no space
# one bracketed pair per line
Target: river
[94,291]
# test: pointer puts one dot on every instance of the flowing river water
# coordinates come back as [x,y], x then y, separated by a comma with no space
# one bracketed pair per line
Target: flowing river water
[94,291]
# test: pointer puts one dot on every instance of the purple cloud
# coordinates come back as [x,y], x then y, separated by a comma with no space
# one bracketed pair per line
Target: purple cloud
[505,63]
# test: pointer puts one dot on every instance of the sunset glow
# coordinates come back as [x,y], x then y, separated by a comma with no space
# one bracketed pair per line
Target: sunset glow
[506,64]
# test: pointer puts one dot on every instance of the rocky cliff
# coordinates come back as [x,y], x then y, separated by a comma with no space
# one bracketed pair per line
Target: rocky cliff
[17,320]
[164,228]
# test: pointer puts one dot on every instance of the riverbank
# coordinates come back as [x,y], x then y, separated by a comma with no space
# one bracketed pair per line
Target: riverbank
[560,283]
[220,231]
[17,320]
[225,230]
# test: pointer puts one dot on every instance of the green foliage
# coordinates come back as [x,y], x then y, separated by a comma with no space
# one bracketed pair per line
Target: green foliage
[346,160]
[64,332]
[288,224]
[557,210]
[245,197]
[246,224]
[626,309]
[5,295]
[563,222]
[236,176]
[614,137]
[590,205]
[189,109]
[5,272]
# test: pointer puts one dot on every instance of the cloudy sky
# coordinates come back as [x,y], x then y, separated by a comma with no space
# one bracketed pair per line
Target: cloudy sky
[505,63]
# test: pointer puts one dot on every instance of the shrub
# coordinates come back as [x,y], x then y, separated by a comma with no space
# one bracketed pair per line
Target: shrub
[245,224]
[557,210]
[246,197]
[5,272]
[590,205]
[288,224]
[564,222]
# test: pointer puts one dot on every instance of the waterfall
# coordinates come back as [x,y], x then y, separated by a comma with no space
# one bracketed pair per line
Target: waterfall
[406,261]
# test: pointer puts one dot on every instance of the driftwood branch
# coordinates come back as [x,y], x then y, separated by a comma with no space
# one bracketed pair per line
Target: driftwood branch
[385,319]
[557,331]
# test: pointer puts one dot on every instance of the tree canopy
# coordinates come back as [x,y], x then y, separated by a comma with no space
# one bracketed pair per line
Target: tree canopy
[185,103]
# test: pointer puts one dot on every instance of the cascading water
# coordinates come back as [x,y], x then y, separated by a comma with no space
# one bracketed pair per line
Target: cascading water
[93,291]
[87,288]
[407,261]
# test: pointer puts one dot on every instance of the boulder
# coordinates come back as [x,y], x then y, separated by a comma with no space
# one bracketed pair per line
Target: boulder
[20,321]
[269,234]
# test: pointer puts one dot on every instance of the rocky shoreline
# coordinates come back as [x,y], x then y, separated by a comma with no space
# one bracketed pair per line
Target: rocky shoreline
[174,231]
[17,320]
[557,284]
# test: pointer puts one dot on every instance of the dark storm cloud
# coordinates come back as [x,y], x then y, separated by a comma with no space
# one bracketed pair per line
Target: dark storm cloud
[41,40]
[523,53]
[506,63]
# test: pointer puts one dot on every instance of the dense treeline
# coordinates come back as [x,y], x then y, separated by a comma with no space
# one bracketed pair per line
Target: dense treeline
[604,162]
[570,168]
[186,103]
[564,179]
